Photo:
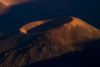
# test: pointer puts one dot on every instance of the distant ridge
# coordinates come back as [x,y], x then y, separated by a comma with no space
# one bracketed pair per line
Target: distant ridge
[31,25]
[3,8]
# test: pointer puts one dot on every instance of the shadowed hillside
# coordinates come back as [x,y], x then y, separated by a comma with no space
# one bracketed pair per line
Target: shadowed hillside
[64,35]
[88,57]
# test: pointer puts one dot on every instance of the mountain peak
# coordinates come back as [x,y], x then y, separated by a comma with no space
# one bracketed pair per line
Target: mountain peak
[68,22]
[48,39]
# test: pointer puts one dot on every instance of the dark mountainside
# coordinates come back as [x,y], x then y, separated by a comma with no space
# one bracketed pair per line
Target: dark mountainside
[21,14]
[64,41]
[88,57]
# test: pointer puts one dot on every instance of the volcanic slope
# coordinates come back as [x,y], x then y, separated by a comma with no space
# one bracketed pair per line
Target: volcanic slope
[48,39]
